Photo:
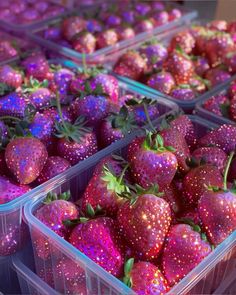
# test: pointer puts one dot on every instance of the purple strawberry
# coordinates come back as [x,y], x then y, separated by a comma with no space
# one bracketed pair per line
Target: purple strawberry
[10,76]
[183,92]
[214,104]
[163,82]
[13,104]
[113,21]
[217,76]
[201,65]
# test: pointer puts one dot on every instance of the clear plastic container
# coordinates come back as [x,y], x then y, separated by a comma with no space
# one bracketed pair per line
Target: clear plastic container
[13,231]
[204,279]
[105,54]
[204,113]
[8,279]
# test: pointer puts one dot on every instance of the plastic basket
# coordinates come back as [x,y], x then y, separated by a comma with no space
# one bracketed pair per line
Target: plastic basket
[202,112]
[105,54]
[98,281]
[8,279]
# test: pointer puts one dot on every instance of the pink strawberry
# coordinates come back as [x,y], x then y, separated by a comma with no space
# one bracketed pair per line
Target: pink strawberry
[184,40]
[183,92]
[144,25]
[223,137]
[107,38]
[214,104]
[10,191]
[126,33]
[84,42]
[144,278]
[217,76]
[72,26]
[211,155]
[144,222]
[197,181]
[10,76]
[25,158]
[151,162]
[55,209]
[174,14]
[201,65]
[55,165]
[185,248]
[162,81]
[105,251]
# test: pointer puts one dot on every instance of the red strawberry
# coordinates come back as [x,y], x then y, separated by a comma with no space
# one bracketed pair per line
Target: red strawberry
[55,165]
[84,42]
[144,223]
[72,26]
[10,191]
[201,65]
[211,155]
[173,197]
[126,33]
[223,137]
[184,40]
[162,81]
[217,211]
[217,76]
[54,211]
[183,92]
[197,180]
[192,215]
[99,240]
[214,104]
[185,248]
[151,162]
[25,158]
[10,76]
[230,62]
[107,38]
[144,26]
[180,66]
[131,64]
[145,278]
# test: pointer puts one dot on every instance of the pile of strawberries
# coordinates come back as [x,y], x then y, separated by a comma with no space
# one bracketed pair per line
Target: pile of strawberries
[196,60]
[52,117]
[151,218]
[112,24]
[28,11]
[223,104]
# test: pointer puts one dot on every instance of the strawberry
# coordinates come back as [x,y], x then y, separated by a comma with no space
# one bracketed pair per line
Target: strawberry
[214,103]
[106,38]
[230,62]
[184,249]
[144,278]
[116,126]
[180,66]
[232,89]
[77,83]
[223,137]
[197,181]
[217,210]
[144,222]
[106,252]
[7,50]
[142,8]
[174,14]
[113,21]
[151,162]
[144,25]
[211,155]
[173,198]
[54,115]
[232,171]
[218,25]
[192,215]
[198,84]
[201,65]
[126,33]
[128,16]
[10,76]
[217,76]
[72,26]
[3,132]
[184,40]
[161,18]
[131,65]
[183,92]
[3,166]
[10,191]
[94,26]
[55,209]
[54,166]
[84,42]
[25,158]
[162,81]
[232,108]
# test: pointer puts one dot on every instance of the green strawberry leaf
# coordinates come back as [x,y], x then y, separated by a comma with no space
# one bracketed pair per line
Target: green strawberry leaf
[128,266]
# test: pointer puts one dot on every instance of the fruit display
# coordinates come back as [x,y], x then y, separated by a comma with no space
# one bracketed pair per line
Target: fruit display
[91,30]
[27,12]
[187,65]
[147,216]
[221,106]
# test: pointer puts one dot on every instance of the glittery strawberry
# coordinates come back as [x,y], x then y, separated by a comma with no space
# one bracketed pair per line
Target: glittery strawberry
[214,104]
[151,161]
[223,137]
[106,38]
[217,210]
[232,89]
[201,65]
[54,210]
[3,132]
[25,158]
[13,104]
[142,8]
[126,33]
[186,246]
[144,25]
[191,214]
[162,81]
[105,251]
[183,92]
[180,66]
[173,198]
[217,76]
[10,76]
[230,62]
[144,221]
[232,108]
[55,165]
[197,181]
[184,40]
[144,278]
[131,65]
[10,191]
[84,42]
[53,114]
[94,26]
[211,155]
[113,21]
[78,82]
[72,26]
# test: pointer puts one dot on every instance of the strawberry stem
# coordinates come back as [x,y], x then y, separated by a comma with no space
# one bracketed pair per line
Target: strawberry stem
[10,118]
[85,69]
[227,169]
[122,174]
[148,117]
[58,104]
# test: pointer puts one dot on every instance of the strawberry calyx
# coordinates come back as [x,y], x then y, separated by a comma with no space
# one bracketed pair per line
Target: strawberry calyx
[89,91]
[179,50]
[226,172]
[33,84]
[5,89]
[154,142]
[51,196]
[123,120]
[127,280]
